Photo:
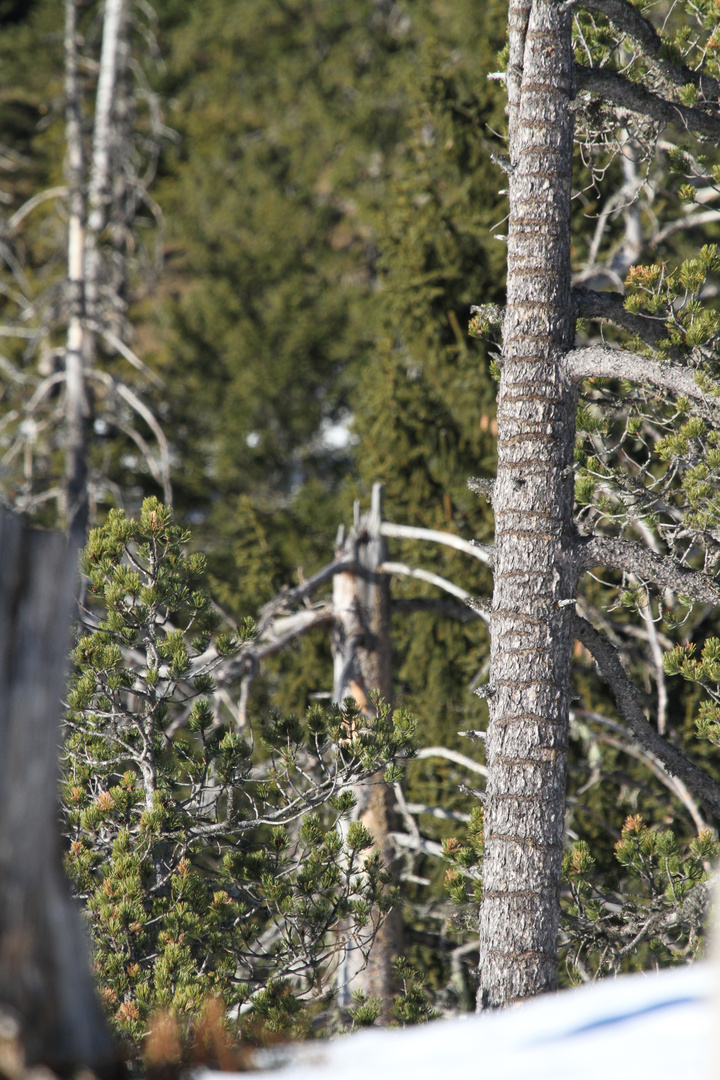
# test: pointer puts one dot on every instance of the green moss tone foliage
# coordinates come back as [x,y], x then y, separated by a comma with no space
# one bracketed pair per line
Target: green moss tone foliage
[206,865]
[411,1006]
[652,913]
[705,673]
[426,403]
[647,909]
[287,113]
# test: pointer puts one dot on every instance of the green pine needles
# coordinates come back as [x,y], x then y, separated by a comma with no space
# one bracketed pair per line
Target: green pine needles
[656,918]
[209,865]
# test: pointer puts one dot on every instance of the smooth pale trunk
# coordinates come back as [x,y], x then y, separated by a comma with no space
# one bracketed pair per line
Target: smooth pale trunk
[362,664]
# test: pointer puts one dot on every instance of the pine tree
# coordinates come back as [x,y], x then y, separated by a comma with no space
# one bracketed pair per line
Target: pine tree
[208,866]
[659,402]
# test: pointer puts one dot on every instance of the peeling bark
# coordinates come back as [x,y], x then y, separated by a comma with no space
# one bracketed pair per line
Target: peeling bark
[362,665]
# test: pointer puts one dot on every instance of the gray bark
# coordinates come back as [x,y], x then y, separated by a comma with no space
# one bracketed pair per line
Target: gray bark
[636,98]
[538,555]
[99,187]
[628,702]
[531,634]
[628,18]
[590,304]
[647,565]
[602,362]
[45,978]
[99,191]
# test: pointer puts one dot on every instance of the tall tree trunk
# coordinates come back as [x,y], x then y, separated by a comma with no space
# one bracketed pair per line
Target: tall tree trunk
[362,663]
[531,634]
[45,978]
[76,398]
[88,218]
[106,144]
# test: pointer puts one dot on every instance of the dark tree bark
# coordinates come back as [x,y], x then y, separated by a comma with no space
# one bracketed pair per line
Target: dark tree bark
[45,978]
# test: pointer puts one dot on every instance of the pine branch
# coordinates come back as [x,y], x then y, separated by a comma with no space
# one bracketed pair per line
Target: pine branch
[628,703]
[628,18]
[602,362]
[590,304]
[647,565]
[614,87]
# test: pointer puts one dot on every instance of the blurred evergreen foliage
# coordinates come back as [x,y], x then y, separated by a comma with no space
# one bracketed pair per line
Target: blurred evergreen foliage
[329,210]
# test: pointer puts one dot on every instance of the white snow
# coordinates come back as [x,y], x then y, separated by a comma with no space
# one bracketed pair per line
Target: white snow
[638,1027]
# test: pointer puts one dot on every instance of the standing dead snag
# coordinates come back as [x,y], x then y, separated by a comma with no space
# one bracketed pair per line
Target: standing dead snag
[362,666]
[77,408]
[45,978]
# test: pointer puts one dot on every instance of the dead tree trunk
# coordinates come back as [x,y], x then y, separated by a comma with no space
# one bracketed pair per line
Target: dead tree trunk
[45,979]
[362,665]
[77,407]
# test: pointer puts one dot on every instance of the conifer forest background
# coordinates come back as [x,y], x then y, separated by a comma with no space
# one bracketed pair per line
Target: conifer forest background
[301,209]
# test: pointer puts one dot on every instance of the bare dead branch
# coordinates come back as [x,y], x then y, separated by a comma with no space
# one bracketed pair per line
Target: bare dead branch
[119,345]
[431,579]
[689,221]
[412,604]
[289,596]
[628,703]
[673,783]
[451,755]
[602,362]
[27,207]
[647,565]
[614,87]
[483,552]
[139,406]
[436,812]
